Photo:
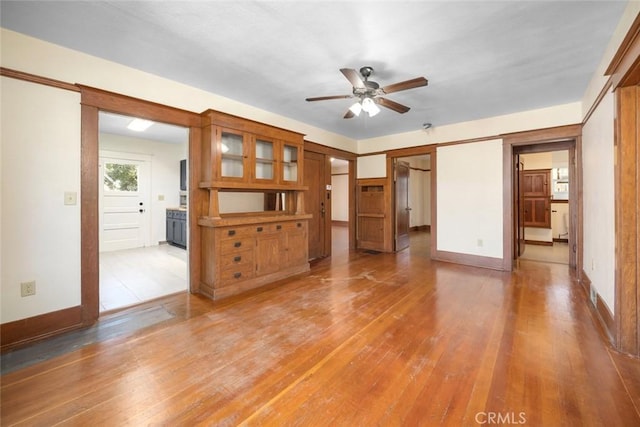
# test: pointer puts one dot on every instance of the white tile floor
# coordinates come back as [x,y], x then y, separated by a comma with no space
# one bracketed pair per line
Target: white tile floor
[558,253]
[136,275]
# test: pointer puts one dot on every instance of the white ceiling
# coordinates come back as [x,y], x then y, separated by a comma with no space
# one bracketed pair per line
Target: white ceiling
[162,132]
[481,58]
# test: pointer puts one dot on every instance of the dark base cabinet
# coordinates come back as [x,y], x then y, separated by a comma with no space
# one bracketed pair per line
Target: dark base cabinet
[177,227]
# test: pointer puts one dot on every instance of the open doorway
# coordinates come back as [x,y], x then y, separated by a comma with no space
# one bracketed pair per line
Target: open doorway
[142,198]
[339,206]
[544,178]
[412,201]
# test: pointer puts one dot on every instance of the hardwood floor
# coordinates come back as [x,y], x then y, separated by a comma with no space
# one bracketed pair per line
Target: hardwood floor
[362,339]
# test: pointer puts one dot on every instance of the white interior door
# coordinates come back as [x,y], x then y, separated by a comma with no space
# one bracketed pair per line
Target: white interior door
[124,202]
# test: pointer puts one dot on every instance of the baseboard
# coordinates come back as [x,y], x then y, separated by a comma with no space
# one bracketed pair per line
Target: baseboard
[26,331]
[604,315]
[538,242]
[561,240]
[340,223]
[470,260]
[420,228]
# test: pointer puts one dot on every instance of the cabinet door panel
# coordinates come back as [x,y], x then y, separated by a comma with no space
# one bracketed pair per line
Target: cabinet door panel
[268,253]
[232,149]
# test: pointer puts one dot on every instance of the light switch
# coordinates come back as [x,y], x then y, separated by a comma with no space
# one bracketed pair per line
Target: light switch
[70,197]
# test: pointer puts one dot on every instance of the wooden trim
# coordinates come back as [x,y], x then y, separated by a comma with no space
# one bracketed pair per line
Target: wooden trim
[560,201]
[469,141]
[340,174]
[89,218]
[507,207]
[420,228]
[329,151]
[198,206]
[603,314]
[627,205]
[225,120]
[434,203]
[27,331]
[470,260]
[626,57]
[410,151]
[597,101]
[122,104]
[335,223]
[419,169]
[561,240]
[20,75]
[538,242]
[546,135]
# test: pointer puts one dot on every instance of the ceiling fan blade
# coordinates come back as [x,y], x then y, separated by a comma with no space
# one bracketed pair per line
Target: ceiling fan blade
[349,114]
[324,98]
[392,105]
[354,77]
[408,84]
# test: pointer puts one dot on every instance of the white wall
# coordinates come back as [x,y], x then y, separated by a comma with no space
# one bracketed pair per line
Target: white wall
[40,143]
[598,200]
[340,193]
[374,166]
[527,120]
[165,174]
[469,198]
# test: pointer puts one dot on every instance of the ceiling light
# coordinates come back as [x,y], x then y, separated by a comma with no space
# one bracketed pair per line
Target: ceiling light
[356,108]
[139,125]
[370,107]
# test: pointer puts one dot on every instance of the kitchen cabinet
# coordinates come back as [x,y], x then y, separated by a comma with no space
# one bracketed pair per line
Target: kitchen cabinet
[245,250]
[240,153]
[176,227]
[245,253]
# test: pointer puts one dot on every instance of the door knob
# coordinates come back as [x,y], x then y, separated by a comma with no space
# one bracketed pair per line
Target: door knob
[141,210]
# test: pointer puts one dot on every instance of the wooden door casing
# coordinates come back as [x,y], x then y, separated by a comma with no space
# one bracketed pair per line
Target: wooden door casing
[402,208]
[315,177]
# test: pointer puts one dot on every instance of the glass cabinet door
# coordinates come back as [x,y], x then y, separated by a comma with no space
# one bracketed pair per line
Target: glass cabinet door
[290,154]
[265,161]
[231,155]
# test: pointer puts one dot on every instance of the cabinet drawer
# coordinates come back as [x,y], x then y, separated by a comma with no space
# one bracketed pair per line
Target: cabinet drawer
[236,232]
[232,246]
[233,275]
[236,260]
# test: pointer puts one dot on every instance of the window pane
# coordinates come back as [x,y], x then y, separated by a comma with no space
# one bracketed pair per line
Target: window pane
[120,177]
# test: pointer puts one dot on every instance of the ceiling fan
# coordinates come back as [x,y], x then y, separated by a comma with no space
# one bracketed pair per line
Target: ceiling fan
[369,93]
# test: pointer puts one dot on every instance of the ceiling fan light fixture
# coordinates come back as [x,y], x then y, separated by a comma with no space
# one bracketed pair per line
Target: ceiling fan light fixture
[356,108]
[370,107]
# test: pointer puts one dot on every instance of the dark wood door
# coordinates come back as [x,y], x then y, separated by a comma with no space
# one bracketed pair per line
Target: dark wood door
[537,198]
[315,178]
[402,208]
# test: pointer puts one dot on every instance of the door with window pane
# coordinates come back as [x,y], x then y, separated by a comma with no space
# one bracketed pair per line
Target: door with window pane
[124,203]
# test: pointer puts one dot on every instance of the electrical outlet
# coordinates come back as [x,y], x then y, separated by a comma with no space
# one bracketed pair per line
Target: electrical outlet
[28,288]
[161,197]
[70,198]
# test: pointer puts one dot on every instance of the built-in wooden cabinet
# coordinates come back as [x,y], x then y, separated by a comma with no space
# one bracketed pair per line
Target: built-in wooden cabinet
[373,215]
[537,198]
[241,251]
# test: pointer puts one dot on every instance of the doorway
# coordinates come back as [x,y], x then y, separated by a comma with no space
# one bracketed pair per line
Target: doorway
[517,209]
[412,201]
[139,185]
[543,184]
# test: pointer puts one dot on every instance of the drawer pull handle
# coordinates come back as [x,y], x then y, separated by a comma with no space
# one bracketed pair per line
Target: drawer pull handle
[278,227]
[237,244]
[232,232]
[259,229]
[237,275]
[237,259]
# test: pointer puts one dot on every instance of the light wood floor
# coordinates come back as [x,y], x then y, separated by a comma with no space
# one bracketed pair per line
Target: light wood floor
[361,340]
